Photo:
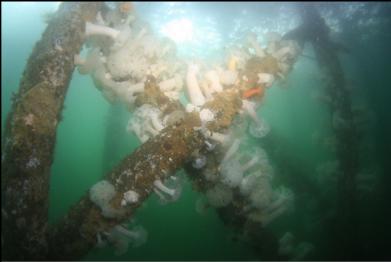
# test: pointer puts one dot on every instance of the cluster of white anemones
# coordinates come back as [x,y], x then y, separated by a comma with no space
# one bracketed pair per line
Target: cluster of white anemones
[201,85]
[249,172]
[130,51]
[146,122]
[123,52]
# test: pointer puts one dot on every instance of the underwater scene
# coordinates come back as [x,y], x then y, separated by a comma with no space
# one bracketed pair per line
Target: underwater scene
[195,131]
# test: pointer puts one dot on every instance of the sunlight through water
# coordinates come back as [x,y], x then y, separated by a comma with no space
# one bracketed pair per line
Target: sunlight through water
[179,30]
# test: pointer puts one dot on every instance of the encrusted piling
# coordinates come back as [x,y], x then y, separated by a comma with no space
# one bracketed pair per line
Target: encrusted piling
[30,133]
[343,240]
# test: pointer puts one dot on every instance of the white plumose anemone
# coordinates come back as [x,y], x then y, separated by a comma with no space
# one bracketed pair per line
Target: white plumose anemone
[231,173]
[193,88]
[219,196]
[259,129]
[146,122]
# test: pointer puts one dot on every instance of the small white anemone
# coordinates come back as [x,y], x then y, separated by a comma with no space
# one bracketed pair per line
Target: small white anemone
[228,77]
[261,194]
[249,164]
[146,122]
[231,150]
[92,29]
[264,78]
[199,162]
[114,90]
[172,87]
[259,129]
[209,146]
[191,108]
[193,88]
[252,39]
[214,81]
[217,137]
[286,244]
[120,237]
[273,206]
[231,172]
[130,197]
[101,194]
[250,108]
[122,38]
[88,65]
[206,115]
[249,183]
[219,196]
[206,89]
[288,50]
[165,193]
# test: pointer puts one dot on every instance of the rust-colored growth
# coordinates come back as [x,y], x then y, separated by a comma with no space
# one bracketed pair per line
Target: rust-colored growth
[254,92]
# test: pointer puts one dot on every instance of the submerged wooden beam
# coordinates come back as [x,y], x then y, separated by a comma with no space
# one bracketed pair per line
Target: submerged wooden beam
[343,242]
[30,132]
[158,158]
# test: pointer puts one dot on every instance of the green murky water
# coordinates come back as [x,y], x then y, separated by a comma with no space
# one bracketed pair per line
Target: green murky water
[92,137]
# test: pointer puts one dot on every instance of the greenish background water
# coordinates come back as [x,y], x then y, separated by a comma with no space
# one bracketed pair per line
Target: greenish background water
[90,140]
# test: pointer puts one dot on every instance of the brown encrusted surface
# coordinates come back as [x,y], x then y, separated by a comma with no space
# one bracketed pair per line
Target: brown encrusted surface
[267,64]
[153,96]
[35,115]
[30,132]
[224,106]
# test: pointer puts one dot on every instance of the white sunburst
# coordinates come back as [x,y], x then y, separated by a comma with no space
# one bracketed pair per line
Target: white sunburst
[179,30]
